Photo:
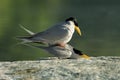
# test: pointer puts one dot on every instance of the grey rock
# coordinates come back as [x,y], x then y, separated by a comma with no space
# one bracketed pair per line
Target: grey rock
[97,68]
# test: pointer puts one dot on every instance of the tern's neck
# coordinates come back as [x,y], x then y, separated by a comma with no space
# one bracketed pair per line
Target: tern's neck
[71,26]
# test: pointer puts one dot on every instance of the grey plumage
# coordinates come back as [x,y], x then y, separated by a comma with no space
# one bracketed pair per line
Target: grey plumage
[58,34]
[63,52]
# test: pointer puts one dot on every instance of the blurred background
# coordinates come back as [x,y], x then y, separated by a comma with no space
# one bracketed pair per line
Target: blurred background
[99,21]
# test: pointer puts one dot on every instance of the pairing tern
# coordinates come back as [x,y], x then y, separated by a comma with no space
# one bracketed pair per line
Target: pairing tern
[67,52]
[59,34]
[61,52]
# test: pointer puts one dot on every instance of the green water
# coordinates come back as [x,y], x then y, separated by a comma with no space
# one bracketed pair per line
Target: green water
[99,21]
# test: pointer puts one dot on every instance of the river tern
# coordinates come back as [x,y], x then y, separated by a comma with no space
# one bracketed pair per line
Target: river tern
[67,52]
[59,34]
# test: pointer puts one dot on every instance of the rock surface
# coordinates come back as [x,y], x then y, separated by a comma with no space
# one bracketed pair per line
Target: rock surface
[97,68]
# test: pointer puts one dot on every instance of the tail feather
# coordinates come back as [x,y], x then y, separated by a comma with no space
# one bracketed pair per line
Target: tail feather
[24,40]
[28,31]
[28,38]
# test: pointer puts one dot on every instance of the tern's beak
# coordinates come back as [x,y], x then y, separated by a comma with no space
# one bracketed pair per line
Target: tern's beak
[85,56]
[78,30]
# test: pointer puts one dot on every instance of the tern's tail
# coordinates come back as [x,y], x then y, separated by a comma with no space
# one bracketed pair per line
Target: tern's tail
[29,39]
[24,40]
[28,31]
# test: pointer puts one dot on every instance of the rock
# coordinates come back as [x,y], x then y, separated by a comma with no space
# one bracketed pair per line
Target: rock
[97,68]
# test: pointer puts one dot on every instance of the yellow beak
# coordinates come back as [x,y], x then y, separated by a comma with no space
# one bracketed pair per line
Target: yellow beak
[78,30]
[85,56]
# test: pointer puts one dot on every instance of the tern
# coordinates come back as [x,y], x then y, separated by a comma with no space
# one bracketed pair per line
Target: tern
[61,52]
[67,52]
[59,34]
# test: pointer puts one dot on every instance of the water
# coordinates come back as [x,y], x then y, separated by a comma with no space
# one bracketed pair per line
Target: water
[98,20]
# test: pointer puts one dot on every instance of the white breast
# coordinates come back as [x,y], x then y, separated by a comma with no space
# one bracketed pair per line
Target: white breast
[70,27]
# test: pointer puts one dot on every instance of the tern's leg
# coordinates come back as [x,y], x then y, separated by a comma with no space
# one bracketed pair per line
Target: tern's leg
[61,44]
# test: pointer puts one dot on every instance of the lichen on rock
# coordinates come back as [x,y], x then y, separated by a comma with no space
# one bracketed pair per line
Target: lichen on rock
[97,68]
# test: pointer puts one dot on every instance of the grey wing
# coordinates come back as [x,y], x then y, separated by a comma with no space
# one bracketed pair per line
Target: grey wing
[52,34]
[59,51]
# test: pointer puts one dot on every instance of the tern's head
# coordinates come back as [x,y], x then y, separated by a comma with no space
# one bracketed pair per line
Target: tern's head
[78,52]
[72,19]
[75,23]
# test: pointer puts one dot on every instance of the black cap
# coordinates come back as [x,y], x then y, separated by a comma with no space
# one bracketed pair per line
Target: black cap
[72,19]
[77,51]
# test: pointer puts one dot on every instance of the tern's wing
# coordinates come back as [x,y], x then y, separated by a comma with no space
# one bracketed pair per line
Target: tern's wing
[59,51]
[52,34]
